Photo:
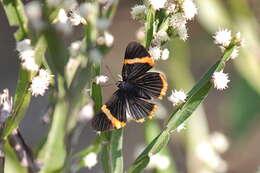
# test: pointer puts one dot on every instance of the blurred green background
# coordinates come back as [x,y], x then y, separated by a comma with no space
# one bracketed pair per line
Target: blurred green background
[234,112]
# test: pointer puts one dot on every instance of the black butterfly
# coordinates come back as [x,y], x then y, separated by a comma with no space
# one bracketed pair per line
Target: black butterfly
[135,91]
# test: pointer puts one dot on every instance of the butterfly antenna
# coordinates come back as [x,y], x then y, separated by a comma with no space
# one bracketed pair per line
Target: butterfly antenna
[111,74]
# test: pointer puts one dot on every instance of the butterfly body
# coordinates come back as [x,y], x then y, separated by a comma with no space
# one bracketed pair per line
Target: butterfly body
[135,92]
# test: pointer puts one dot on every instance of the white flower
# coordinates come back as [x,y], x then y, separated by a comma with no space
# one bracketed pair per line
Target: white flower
[165,54]
[205,153]
[109,39]
[155,52]
[219,141]
[159,161]
[182,32]
[29,64]
[190,9]
[234,53]
[223,37]
[90,160]
[138,12]
[178,22]
[157,4]
[87,112]
[40,83]
[160,37]
[62,16]
[27,53]
[177,97]
[23,45]
[220,80]
[181,127]
[6,104]
[101,79]
[74,18]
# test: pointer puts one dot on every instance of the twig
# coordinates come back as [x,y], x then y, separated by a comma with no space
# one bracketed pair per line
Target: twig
[23,152]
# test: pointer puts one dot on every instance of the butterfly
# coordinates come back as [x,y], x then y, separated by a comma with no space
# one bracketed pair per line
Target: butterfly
[135,92]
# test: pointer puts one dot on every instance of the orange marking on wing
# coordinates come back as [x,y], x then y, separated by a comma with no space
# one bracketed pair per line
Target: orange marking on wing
[151,114]
[165,86]
[115,122]
[146,59]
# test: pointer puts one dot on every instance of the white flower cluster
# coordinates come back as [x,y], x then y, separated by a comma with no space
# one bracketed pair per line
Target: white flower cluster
[101,79]
[70,17]
[106,39]
[208,152]
[157,54]
[90,160]
[223,38]
[40,83]
[26,54]
[177,97]
[220,80]
[159,161]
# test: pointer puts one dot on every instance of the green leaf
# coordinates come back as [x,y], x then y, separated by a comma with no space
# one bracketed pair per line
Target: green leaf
[14,10]
[196,96]
[116,145]
[53,153]
[149,26]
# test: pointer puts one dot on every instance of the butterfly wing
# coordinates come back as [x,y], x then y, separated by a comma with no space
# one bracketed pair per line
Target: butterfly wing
[139,108]
[112,114]
[150,85]
[137,61]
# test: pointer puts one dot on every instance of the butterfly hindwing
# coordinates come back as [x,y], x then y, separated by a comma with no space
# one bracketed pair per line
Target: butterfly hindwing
[151,84]
[139,108]
[112,114]
[137,61]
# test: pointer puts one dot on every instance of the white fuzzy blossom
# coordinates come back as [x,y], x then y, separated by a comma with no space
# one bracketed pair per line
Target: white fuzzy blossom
[102,24]
[140,35]
[155,52]
[26,54]
[220,80]
[101,79]
[90,160]
[33,10]
[165,54]
[6,104]
[106,39]
[177,97]
[87,10]
[87,112]
[205,153]
[29,64]
[159,161]
[190,9]
[160,37]
[138,12]
[40,83]
[71,17]
[219,142]
[158,4]
[223,37]
[178,22]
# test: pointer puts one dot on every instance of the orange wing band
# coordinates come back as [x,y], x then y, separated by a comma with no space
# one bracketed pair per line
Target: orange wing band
[165,86]
[146,59]
[151,114]
[115,122]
